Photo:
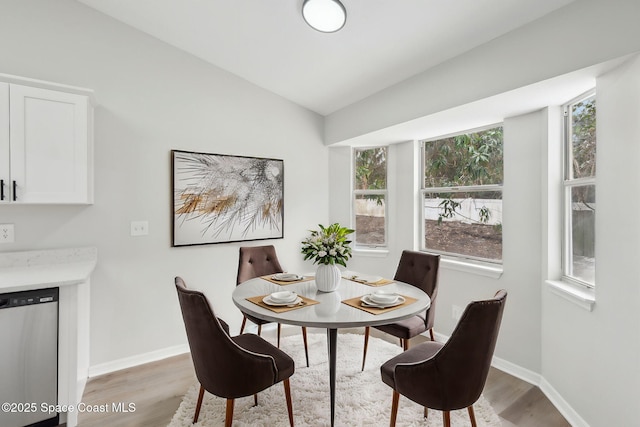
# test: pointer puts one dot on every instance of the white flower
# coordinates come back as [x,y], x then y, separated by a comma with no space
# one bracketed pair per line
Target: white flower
[333,252]
[322,254]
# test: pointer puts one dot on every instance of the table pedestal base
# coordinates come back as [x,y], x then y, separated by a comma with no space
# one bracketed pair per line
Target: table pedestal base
[332,344]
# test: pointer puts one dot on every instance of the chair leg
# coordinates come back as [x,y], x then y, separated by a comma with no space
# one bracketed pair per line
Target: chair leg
[446,418]
[405,344]
[287,395]
[426,412]
[367,329]
[244,323]
[255,399]
[431,334]
[472,416]
[259,330]
[200,395]
[304,339]
[394,408]
[279,329]
[228,420]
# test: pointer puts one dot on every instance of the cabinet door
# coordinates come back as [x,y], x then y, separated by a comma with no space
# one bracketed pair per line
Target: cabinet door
[49,146]
[5,180]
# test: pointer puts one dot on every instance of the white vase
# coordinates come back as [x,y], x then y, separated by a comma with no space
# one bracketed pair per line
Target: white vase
[327,277]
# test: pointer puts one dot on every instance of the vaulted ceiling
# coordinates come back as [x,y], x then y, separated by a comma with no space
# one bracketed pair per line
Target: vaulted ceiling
[383,42]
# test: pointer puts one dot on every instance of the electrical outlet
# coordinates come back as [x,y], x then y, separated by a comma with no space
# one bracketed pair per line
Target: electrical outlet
[6,233]
[139,228]
[456,312]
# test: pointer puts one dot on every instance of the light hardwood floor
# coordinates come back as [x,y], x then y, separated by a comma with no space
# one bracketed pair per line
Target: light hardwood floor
[157,388]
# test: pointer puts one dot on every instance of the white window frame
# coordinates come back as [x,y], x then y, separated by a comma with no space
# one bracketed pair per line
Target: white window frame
[568,184]
[356,193]
[458,189]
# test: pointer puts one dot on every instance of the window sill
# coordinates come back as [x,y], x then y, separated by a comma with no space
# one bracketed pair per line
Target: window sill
[581,296]
[482,269]
[371,252]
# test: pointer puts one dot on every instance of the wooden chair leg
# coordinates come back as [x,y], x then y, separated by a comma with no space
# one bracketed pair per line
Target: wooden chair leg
[405,344]
[367,329]
[426,412]
[228,420]
[279,329]
[394,408]
[306,349]
[472,416]
[200,395]
[431,334]
[446,418]
[259,330]
[287,395]
[255,399]
[244,323]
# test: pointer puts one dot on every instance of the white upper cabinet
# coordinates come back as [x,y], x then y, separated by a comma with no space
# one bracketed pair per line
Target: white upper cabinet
[4,142]
[46,152]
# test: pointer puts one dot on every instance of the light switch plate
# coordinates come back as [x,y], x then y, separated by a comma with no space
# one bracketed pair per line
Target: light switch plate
[139,228]
[7,233]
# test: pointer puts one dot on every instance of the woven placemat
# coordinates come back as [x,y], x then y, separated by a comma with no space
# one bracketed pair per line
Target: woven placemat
[282,308]
[357,303]
[270,278]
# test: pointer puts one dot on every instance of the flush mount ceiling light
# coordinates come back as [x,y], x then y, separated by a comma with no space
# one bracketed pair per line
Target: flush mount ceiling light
[327,16]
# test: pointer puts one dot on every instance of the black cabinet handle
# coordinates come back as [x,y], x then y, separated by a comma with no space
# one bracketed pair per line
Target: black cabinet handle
[15,197]
[1,189]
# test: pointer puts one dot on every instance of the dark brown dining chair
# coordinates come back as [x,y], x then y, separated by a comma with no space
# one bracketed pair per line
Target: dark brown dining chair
[229,367]
[257,261]
[449,376]
[419,269]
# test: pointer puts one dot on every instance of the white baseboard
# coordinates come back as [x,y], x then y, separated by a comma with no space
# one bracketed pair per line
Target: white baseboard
[517,371]
[139,359]
[565,409]
[537,380]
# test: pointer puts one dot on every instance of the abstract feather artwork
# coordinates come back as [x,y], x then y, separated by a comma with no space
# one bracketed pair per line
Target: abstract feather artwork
[221,198]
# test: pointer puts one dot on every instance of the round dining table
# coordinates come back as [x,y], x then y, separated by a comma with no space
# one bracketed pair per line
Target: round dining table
[326,309]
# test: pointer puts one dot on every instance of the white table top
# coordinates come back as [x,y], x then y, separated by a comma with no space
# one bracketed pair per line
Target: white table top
[331,313]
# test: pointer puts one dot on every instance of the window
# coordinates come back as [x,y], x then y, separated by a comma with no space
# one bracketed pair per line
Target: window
[462,195]
[578,243]
[370,196]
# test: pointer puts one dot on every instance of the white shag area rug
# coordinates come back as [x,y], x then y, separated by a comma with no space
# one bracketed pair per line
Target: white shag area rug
[362,399]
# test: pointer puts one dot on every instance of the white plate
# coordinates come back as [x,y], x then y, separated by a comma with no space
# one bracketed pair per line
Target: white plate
[369,303]
[283,296]
[286,277]
[267,300]
[367,279]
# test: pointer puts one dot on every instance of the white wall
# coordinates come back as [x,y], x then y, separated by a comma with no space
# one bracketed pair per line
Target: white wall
[586,360]
[592,358]
[543,49]
[152,98]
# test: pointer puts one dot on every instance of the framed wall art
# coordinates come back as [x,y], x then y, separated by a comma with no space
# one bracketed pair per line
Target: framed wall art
[222,198]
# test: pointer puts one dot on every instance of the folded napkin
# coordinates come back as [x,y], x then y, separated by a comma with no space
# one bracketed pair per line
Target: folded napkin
[270,278]
[364,281]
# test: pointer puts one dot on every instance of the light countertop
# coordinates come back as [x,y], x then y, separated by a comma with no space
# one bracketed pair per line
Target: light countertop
[26,270]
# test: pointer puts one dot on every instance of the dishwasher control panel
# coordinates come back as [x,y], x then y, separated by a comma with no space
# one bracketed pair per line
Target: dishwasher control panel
[19,299]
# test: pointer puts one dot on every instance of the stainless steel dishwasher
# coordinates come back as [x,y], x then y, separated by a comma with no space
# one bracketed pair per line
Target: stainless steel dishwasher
[29,358]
